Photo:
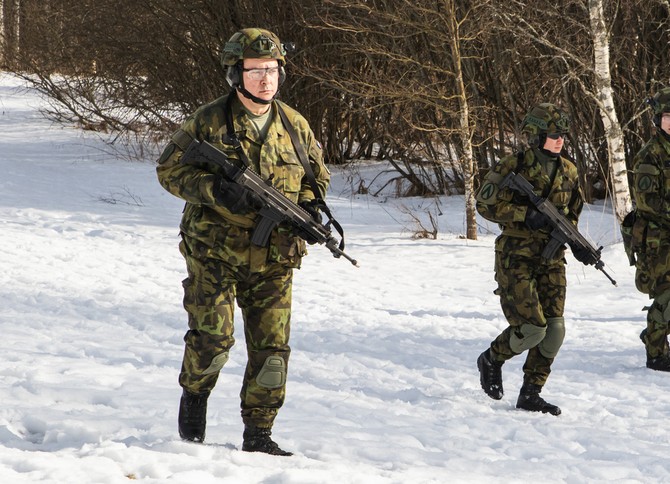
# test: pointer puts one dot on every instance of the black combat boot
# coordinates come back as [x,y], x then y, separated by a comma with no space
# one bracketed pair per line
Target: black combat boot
[530,399]
[659,363]
[257,439]
[193,416]
[490,375]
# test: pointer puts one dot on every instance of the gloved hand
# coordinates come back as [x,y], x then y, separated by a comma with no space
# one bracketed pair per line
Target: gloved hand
[311,208]
[583,255]
[235,197]
[536,220]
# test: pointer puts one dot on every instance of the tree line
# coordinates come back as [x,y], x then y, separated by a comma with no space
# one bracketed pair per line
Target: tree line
[435,87]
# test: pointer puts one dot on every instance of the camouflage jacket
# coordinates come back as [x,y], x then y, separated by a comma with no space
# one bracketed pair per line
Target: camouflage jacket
[508,208]
[651,189]
[272,158]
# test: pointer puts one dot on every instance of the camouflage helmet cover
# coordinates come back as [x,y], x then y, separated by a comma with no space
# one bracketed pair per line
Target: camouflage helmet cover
[545,118]
[660,104]
[252,43]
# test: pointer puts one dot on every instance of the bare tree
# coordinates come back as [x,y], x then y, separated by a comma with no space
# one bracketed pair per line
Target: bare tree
[2,33]
[465,128]
[605,100]
[398,66]
[435,88]
[10,35]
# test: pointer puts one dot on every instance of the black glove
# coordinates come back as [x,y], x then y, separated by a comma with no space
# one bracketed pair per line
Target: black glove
[584,255]
[235,197]
[536,220]
[311,208]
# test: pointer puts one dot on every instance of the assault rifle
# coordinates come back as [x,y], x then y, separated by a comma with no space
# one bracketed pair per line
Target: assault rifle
[563,231]
[276,207]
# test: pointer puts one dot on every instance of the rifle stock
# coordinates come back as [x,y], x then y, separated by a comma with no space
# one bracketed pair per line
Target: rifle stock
[276,207]
[563,232]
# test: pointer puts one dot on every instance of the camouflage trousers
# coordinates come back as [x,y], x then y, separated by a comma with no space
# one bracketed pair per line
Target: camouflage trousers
[531,292]
[210,292]
[652,276]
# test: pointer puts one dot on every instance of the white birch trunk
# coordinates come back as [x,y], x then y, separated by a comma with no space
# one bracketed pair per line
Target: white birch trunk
[466,161]
[615,145]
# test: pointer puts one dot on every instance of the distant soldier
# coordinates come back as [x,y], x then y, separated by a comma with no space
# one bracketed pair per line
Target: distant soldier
[224,266]
[648,240]
[531,289]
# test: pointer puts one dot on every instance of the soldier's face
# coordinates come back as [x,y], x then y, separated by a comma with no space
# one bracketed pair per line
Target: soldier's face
[665,122]
[554,143]
[263,80]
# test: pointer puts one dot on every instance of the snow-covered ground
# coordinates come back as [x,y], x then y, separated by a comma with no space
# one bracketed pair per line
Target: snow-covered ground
[383,386]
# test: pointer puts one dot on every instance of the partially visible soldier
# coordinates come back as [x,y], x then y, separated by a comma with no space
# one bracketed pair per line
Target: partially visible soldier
[218,221]
[649,242]
[532,289]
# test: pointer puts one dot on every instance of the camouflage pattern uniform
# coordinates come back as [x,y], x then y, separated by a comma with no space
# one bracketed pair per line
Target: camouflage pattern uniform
[224,266]
[532,290]
[649,245]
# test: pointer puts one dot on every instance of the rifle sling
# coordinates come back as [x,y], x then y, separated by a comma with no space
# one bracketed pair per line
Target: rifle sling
[309,173]
[300,151]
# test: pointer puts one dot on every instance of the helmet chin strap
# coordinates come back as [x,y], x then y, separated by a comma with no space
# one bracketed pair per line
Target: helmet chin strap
[255,99]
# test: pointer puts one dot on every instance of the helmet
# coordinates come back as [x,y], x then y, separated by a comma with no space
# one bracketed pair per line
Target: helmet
[543,119]
[660,104]
[251,43]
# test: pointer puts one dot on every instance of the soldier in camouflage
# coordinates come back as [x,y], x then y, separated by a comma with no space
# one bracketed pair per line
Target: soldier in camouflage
[531,289]
[223,265]
[648,241]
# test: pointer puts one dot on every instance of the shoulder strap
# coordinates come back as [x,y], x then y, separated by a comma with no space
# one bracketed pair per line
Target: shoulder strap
[230,130]
[300,151]
[519,160]
[309,173]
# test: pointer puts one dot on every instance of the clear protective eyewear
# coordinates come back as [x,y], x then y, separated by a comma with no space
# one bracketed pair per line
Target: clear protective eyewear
[259,74]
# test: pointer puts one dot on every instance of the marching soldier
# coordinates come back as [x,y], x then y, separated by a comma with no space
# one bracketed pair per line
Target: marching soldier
[648,239]
[224,267]
[532,289]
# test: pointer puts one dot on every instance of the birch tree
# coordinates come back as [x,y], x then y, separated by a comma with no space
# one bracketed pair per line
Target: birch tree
[582,57]
[605,99]
[464,126]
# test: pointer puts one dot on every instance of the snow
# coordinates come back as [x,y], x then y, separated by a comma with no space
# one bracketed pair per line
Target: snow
[383,385]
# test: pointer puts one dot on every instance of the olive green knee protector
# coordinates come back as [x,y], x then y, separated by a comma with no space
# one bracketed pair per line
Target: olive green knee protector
[525,337]
[660,310]
[216,364]
[554,338]
[273,373]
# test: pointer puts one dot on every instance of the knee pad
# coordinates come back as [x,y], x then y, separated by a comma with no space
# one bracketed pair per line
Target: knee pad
[554,338]
[658,314]
[216,364]
[526,336]
[273,373]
